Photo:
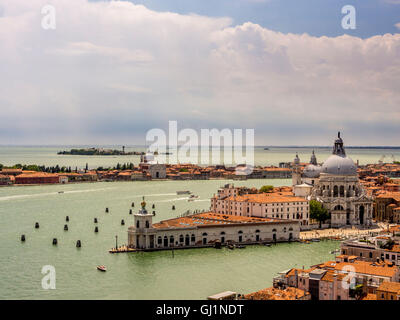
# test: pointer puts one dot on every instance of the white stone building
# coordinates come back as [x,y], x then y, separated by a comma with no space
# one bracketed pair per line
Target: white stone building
[274,205]
[204,229]
[336,185]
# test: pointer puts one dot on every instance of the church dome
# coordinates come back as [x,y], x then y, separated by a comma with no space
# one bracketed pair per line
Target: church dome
[312,171]
[339,165]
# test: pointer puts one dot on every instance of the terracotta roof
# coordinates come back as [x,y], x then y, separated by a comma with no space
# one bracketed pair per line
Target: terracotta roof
[208,219]
[369,296]
[272,293]
[393,287]
[362,267]
[273,197]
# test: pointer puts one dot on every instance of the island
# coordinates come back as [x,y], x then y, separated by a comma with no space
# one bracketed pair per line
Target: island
[100,152]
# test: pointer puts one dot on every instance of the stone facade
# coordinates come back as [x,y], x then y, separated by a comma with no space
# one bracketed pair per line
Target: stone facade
[204,229]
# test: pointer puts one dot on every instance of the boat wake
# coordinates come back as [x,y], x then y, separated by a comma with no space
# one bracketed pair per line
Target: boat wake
[38,195]
[174,199]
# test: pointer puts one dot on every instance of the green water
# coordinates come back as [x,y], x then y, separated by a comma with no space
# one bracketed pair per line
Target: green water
[190,274]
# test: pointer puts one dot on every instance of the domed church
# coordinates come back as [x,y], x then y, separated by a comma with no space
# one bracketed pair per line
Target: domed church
[336,185]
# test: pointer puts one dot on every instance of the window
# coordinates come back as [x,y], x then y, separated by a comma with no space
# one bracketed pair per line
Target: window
[137,224]
[181,238]
[159,240]
[147,224]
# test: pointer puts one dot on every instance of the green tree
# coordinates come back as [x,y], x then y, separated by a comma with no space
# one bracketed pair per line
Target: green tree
[266,189]
[318,212]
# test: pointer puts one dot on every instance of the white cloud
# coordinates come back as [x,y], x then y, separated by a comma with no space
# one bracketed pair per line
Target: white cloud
[111,70]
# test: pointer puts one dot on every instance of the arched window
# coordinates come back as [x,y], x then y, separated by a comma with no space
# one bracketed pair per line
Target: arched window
[193,238]
[165,241]
[147,224]
[338,207]
[335,191]
[284,229]
[257,231]
[204,238]
[159,240]
[181,238]
[223,232]
[342,191]
[273,230]
[171,240]
[137,224]
[240,238]
[187,240]
[290,229]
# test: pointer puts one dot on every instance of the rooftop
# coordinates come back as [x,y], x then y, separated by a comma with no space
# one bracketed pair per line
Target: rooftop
[272,293]
[208,219]
[273,197]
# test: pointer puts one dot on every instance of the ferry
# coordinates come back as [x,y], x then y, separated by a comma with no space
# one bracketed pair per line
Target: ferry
[102,268]
[183,192]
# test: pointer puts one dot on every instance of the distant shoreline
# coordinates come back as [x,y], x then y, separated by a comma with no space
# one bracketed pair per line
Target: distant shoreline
[143,147]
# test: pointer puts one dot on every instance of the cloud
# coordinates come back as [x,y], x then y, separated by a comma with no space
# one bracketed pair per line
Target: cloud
[112,70]
[397,25]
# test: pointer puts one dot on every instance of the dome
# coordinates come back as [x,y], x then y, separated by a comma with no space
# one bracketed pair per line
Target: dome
[339,165]
[312,171]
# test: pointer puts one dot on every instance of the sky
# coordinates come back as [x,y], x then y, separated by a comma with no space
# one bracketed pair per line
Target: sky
[111,71]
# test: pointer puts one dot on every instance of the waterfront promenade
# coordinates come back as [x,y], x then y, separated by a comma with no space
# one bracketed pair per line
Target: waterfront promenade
[342,233]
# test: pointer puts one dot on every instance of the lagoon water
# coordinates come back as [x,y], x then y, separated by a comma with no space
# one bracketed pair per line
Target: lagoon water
[188,274]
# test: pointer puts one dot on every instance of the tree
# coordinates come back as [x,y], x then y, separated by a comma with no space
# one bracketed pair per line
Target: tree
[318,212]
[267,189]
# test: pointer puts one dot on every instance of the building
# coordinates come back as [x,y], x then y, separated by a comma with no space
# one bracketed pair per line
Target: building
[388,291]
[158,171]
[319,283]
[387,207]
[37,178]
[345,278]
[279,205]
[205,229]
[374,249]
[5,180]
[11,172]
[336,185]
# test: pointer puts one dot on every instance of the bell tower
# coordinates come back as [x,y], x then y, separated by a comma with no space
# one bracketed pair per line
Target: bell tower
[338,147]
[296,172]
[143,228]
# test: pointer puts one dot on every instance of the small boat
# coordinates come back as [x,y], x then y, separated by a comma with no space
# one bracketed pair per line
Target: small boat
[241,247]
[230,246]
[315,240]
[60,191]
[183,192]
[267,244]
[192,197]
[102,268]
[266,148]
